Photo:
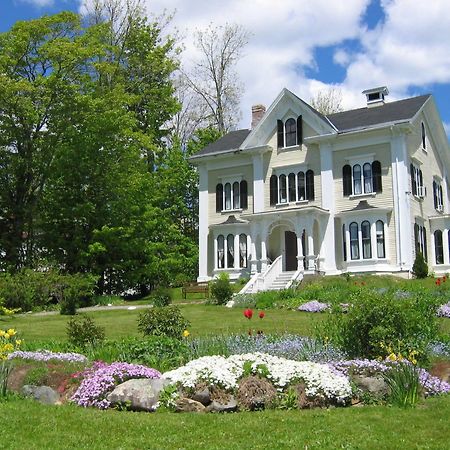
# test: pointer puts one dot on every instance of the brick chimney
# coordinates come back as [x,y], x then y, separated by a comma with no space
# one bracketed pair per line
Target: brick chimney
[257,113]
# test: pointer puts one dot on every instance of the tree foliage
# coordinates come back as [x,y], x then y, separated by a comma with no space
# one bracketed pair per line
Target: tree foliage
[328,101]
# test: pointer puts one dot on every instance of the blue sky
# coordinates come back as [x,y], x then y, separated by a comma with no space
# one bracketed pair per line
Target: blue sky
[311,45]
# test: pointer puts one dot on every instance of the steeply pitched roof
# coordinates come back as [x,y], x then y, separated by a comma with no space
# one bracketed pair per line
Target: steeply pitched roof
[401,110]
[231,141]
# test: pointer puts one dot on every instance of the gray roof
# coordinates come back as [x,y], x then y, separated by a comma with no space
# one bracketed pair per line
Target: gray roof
[231,141]
[399,111]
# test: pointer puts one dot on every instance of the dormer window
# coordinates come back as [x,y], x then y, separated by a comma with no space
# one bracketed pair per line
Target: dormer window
[290,132]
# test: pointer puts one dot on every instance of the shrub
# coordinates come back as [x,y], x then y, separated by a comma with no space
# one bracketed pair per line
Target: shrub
[163,321]
[82,331]
[420,267]
[221,289]
[161,297]
[377,325]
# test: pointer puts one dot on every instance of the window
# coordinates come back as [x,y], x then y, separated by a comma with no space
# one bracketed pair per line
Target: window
[424,136]
[417,187]
[361,179]
[230,251]
[231,196]
[437,196]
[289,133]
[420,240]
[242,250]
[381,252]
[225,259]
[438,247]
[366,243]
[344,242]
[354,241]
[292,187]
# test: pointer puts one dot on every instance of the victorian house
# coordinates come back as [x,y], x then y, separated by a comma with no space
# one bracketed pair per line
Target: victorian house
[357,191]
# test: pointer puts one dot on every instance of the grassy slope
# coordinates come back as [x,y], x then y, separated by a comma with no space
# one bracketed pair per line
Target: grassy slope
[425,427]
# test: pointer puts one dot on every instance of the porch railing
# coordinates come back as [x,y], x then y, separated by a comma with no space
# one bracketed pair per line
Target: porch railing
[260,281]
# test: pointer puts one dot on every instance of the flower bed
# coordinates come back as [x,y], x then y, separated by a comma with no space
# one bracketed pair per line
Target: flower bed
[46,355]
[320,381]
[101,378]
[313,306]
[444,310]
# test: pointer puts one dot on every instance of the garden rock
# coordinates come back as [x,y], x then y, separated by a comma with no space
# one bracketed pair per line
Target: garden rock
[140,394]
[42,394]
[375,385]
[203,396]
[218,407]
[256,393]
[188,405]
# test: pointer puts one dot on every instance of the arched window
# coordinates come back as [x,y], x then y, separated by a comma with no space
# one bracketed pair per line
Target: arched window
[438,247]
[357,188]
[230,251]
[424,136]
[376,177]
[282,189]
[347,180]
[354,241]
[228,196]
[291,132]
[366,243]
[219,197]
[220,252]
[273,190]
[291,187]
[309,185]
[242,250]
[301,194]
[367,174]
[381,252]
[236,195]
[244,194]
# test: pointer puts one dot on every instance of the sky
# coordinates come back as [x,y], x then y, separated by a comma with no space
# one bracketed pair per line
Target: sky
[311,45]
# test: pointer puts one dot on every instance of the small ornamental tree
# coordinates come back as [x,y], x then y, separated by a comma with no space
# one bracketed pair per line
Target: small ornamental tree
[420,267]
[221,289]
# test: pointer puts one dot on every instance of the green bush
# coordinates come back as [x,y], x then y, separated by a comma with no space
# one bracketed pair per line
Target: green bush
[82,331]
[163,321]
[420,267]
[221,289]
[377,325]
[29,289]
[161,297]
[404,384]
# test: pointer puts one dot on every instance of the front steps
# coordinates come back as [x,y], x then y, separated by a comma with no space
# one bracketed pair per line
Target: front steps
[281,281]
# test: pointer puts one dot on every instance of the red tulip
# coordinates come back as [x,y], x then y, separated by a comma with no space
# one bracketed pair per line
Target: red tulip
[444,278]
[248,313]
[262,314]
[438,282]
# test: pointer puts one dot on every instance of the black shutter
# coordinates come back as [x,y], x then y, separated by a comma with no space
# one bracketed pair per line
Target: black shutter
[416,238]
[309,185]
[442,196]
[435,200]
[421,183]
[273,190]
[376,176]
[413,180]
[219,197]
[347,180]
[243,189]
[280,134]
[299,130]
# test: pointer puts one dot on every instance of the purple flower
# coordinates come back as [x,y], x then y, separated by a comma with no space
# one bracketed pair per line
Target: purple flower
[102,378]
[313,306]
[444,310]
[46,355]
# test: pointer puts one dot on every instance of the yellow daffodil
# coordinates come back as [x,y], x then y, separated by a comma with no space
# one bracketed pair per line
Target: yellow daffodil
[19,342]
[392,357]
[2,333]
[11,331]
[6,335]
[186,333]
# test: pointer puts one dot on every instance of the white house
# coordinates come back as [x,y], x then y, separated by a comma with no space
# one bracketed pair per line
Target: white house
[357,191]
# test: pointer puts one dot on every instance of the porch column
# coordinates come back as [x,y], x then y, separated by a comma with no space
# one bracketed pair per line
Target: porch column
[300,252]
[263,253]
[373,239]
[216,250]
[445,245]
[311,257]
[433,249]
[203,224]
[237,253]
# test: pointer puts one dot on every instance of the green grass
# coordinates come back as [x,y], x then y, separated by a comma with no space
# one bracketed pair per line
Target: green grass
[70,427]
[205,319]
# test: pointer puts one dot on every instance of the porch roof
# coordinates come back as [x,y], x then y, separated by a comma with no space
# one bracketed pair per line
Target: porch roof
[283,212]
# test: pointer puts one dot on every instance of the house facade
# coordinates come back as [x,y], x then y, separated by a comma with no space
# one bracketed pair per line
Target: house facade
[357,191]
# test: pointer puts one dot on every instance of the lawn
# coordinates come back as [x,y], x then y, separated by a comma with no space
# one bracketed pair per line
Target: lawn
[31,425]
[205,319]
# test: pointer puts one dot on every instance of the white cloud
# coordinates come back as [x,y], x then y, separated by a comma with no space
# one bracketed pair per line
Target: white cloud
[39,3]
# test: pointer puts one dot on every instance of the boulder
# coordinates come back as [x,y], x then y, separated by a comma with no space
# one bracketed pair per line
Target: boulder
[139,394]
[42,394]
[374,385]
[256,393]
[188,405]
[219,407]
[203,396]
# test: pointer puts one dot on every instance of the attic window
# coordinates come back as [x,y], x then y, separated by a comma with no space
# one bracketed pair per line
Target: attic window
[290,132]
